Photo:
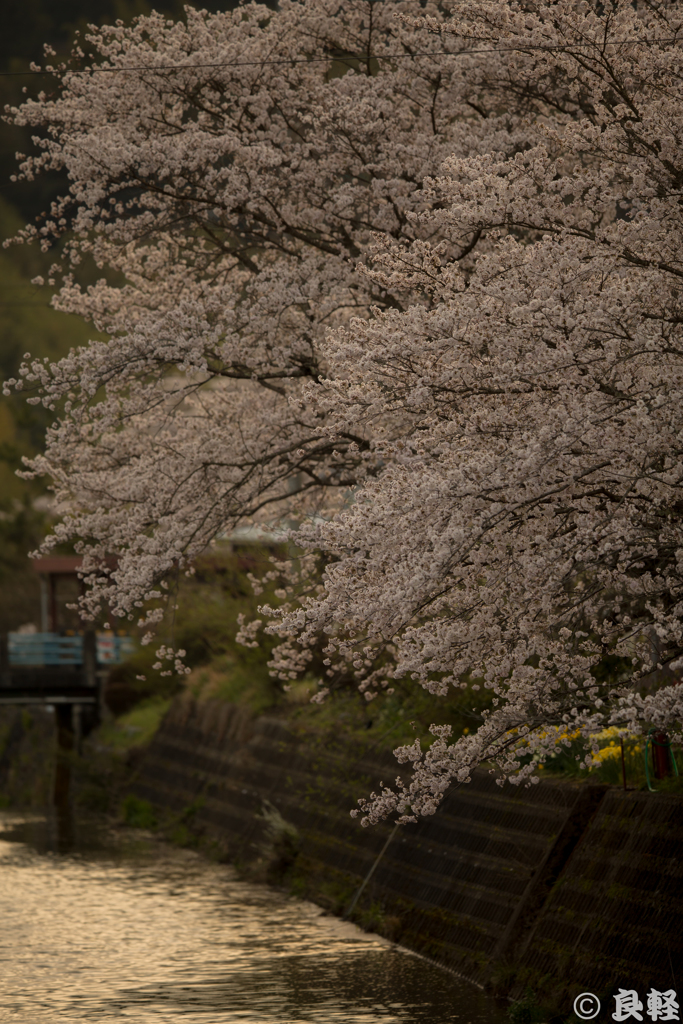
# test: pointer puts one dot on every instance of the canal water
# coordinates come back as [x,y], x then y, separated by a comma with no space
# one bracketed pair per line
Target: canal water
[100,925]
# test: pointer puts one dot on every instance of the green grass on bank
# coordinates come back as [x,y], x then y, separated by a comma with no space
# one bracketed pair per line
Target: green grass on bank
[136,728]
[226,679]
[201,618]
[390,719]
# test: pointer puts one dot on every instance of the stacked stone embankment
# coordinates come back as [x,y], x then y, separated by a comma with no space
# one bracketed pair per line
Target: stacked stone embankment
[615,913]
[559,886]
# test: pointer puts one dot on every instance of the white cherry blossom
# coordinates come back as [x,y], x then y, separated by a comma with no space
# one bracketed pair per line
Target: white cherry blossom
[450,286]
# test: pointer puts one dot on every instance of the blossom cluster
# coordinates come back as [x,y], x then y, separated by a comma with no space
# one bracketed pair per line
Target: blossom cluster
[415,277]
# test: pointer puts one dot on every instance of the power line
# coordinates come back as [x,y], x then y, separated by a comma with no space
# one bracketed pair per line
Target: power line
[521,48]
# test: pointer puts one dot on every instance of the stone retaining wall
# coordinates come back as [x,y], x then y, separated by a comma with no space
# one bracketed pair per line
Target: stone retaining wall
[559,887]
[615,914]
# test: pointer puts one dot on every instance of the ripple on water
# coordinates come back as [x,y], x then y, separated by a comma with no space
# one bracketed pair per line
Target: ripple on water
[144,933]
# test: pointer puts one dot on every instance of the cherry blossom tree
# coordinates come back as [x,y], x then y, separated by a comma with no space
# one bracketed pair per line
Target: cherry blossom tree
[431,305]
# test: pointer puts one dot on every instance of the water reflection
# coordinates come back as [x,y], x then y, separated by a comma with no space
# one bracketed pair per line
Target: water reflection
[131,930]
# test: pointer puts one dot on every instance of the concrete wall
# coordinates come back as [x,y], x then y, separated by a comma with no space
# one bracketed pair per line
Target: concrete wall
[27,756]
[560,886]
[615,914]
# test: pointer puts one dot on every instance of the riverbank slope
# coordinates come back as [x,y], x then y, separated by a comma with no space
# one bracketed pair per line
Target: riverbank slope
[561,888]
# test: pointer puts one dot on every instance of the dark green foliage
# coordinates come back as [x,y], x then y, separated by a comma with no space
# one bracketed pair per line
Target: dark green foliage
[390,719]
[138,813]
[526,1010]
[285,849]
[202,620]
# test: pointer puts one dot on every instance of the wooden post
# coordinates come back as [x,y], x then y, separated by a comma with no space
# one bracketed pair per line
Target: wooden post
[52,603]
[64,721]
[65,744]
[5,677]
[661,756]
[623,763]
[90,658]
